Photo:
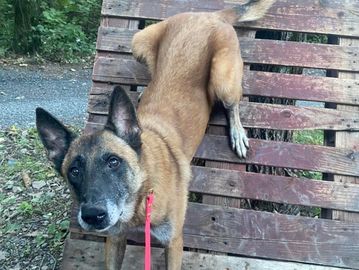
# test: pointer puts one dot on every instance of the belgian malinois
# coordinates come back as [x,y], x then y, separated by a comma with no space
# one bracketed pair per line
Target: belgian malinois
[194,60]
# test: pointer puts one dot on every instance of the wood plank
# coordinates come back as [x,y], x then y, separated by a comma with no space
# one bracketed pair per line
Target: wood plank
[335,17]
[123,71]
[258,51]
[286,117]
[268,235]
[270,116]
[272,236]
[265,84]
[347,139]
[273,188]
[299,87]
[283,154]
[99,104]
[80,254]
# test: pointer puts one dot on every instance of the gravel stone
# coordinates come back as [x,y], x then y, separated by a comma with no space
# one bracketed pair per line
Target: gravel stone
[38,184]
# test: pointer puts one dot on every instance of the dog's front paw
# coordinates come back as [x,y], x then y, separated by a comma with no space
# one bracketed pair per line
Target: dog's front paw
[239,141]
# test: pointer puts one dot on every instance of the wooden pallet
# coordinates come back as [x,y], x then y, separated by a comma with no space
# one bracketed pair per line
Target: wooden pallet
[272,240]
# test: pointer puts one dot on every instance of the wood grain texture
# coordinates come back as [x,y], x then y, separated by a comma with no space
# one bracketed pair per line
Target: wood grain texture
[258,51]
[266,84]
[268,235]
[336,17]
[269,116]
[347,139]
[285,155]
[273,236]
[88,255]
[290,190]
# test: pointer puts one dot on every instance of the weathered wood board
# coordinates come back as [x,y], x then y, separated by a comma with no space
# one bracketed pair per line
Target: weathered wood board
[311,16]
[273,188]
[255,83]
[283,154]
[260,115]
[258,51]
[89,255]
[267,235]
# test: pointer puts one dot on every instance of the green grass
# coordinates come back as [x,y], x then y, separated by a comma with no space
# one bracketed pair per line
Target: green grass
[309,137]
[313,137]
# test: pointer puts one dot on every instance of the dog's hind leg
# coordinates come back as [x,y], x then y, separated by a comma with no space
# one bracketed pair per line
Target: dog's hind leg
[145,44]
[225,83]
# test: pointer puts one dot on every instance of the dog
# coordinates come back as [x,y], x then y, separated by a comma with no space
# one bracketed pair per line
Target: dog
[193,59]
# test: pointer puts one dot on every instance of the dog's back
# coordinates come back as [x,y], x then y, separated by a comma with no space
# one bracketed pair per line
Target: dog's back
[193,59]
[180,75]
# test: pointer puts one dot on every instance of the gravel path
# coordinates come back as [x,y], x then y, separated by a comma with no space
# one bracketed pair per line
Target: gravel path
[60,90]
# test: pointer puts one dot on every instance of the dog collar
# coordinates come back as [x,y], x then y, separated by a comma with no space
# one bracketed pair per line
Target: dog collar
[149,202]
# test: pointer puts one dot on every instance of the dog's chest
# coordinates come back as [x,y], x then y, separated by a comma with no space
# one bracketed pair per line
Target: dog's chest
[162,232]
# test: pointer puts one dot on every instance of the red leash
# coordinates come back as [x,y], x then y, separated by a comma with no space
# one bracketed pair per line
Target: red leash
[149,202]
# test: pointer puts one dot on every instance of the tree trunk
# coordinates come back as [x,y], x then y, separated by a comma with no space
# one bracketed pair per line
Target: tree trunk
[26,12]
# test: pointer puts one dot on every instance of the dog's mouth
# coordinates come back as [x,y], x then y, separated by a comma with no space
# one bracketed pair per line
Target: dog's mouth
[114,216]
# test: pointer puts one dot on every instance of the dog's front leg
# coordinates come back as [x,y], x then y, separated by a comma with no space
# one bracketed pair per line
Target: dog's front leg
[115,248]
[174,253]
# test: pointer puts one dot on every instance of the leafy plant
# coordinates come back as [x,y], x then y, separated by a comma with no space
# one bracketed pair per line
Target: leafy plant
[58,30]
[26,208]
[7,25]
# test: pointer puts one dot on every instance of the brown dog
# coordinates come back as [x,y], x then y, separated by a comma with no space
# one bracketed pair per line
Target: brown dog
[194,59]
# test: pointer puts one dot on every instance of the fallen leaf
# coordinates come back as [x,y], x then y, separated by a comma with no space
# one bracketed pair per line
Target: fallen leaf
[26,179]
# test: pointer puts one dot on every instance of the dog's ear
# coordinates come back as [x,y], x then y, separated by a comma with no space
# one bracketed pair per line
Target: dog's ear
[122,119]
[55,137]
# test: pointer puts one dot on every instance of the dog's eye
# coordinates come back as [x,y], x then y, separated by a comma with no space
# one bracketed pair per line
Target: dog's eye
[74,171]
[113,162]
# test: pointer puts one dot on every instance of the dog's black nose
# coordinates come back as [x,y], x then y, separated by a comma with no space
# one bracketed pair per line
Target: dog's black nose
[93,215]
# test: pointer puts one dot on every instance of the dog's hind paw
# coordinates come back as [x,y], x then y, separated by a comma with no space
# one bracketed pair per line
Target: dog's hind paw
[239,141]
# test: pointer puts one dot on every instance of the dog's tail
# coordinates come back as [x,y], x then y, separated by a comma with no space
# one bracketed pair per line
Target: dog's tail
[250,11]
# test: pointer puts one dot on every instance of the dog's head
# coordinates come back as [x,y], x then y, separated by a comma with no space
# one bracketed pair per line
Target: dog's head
[102,168]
